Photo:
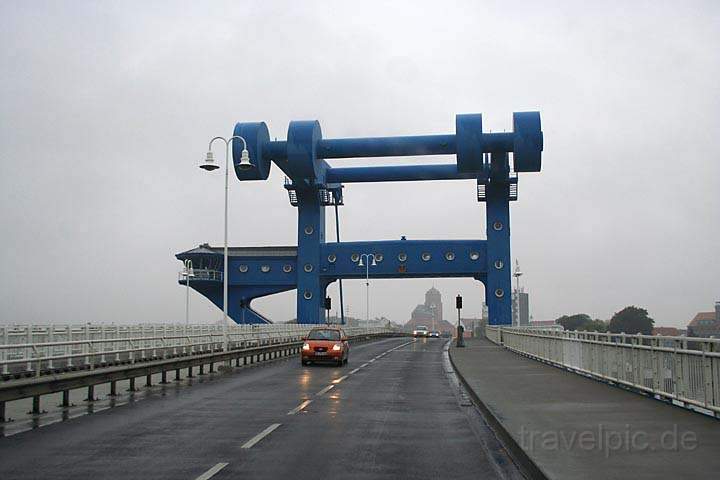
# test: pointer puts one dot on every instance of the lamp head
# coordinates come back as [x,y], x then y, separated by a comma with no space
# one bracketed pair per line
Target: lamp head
[373,264]
[245,161]
[360,263]
[209,163]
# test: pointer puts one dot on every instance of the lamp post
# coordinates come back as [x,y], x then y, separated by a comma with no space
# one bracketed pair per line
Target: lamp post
[210,165]
[187,273]
[516,298]
[367,264]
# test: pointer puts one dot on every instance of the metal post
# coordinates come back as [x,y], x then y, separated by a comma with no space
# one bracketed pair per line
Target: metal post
[163,378]
[91,393]
[367,257]
[177,375]
[225,244]
[65,398]
[188,269]
[113,389]
[131,388]
[367,296]
[148,381]
[2,412]
[460,329]
[337,234]
[36,405]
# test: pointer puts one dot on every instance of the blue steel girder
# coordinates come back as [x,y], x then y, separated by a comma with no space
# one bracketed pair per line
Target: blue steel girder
[405,259]
[254,276]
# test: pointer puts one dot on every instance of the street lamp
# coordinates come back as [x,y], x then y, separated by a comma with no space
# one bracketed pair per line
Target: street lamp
[187,273]
[210,165]
[367,265]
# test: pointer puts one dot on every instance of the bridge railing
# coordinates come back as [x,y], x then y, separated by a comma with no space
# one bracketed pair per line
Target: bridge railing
[48,349]
[681,369]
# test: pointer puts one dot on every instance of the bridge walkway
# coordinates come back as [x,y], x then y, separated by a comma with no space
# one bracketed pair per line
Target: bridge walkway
[574,427]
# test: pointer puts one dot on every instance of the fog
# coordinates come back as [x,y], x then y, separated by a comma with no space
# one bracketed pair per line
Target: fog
[106,110]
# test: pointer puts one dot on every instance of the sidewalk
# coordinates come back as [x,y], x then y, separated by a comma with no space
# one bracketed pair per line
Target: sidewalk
[572,427]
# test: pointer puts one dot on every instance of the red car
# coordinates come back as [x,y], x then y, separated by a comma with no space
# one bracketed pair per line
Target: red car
[325,344]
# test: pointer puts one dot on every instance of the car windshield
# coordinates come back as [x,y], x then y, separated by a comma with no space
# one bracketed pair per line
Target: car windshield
[324,335]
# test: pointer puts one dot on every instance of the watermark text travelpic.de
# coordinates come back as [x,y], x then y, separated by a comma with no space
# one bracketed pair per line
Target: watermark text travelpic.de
[609,440]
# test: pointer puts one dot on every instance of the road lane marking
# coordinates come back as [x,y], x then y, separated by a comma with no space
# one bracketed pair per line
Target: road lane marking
[338,380]
[354,371]
[363,365]
[261,435]
[212,471]
[324,390]
[299,407]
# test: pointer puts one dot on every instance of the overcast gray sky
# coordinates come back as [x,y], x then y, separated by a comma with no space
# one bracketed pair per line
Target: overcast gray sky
[106,109]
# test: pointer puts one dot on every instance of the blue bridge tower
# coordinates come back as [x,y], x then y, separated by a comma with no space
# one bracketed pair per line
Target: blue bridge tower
[312,184]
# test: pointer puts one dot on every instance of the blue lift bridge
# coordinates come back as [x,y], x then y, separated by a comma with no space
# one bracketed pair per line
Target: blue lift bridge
[493,160]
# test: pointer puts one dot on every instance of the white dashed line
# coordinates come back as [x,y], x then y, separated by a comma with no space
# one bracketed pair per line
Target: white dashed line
[354,371]
[338,380]
[324,390]
[260,436]
[299,407]
[212,471]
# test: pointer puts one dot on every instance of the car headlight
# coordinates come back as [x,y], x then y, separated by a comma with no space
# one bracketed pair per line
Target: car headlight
[306,346]
[337,347]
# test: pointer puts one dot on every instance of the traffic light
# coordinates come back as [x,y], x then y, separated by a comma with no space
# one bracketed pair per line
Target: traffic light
[458,302]
[328,303]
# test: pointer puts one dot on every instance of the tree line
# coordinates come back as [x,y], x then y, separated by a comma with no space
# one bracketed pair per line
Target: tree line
[628,320]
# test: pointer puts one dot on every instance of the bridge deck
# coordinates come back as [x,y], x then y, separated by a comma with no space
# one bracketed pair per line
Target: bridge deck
[575,427]
[390,413]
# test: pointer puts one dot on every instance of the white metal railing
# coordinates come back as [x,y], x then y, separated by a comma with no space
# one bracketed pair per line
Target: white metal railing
[686,369]
[42,349]
[201,274]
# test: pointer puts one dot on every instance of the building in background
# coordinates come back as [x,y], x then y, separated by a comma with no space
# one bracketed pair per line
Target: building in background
[430,314]
[521,307]
[705,324]
[667,331]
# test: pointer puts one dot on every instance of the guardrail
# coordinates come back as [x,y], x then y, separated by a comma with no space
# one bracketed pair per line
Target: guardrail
[201,274]
[680,369]
[39,360]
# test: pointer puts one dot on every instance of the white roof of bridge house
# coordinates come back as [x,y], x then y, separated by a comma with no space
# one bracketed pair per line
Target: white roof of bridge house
[279,251]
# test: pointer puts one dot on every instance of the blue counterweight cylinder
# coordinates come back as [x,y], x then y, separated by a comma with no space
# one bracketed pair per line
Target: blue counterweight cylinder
[302,156]
[257,137]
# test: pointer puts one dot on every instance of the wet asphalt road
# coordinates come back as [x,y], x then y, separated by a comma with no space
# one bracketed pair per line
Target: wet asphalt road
[390,413]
